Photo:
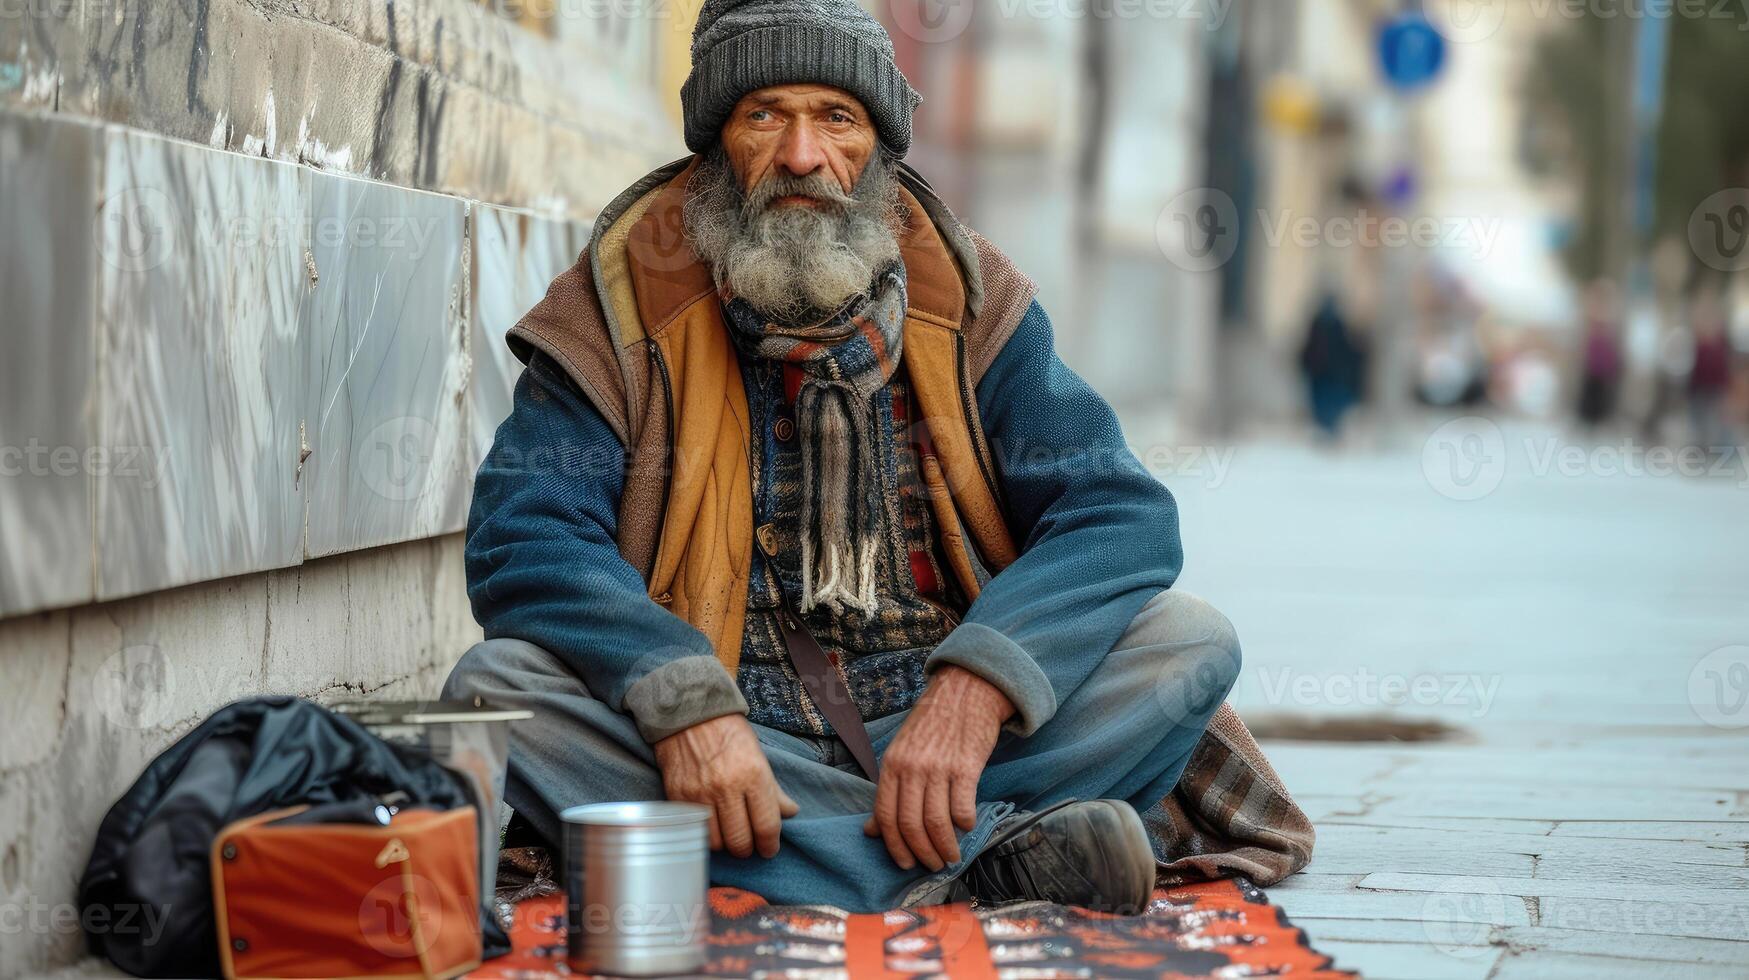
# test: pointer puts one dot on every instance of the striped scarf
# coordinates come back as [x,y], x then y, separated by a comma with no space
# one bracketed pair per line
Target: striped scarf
[844,359]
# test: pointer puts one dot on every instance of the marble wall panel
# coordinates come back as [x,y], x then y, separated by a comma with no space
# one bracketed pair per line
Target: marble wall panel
[201,274]
[48,172]
[386,361]
[516,255]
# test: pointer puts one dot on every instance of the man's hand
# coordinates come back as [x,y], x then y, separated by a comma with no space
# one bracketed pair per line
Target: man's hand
[929,776]
[719,763]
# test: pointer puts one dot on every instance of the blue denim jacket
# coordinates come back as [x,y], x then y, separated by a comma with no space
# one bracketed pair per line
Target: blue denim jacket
[1098,537]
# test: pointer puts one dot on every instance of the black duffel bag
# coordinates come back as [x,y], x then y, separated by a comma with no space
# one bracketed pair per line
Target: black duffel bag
[153,849]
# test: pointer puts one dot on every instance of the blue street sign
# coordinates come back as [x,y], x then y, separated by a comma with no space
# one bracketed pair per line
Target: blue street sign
[1411,51]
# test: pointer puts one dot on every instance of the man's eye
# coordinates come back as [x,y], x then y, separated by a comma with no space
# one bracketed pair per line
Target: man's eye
[841,117]
[759,115]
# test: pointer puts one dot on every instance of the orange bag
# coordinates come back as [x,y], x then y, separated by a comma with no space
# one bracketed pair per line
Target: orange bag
[348,899]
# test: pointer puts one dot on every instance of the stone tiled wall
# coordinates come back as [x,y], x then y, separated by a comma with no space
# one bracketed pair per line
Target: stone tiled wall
[257,258]
[238,364]
[217,366]
[442,95]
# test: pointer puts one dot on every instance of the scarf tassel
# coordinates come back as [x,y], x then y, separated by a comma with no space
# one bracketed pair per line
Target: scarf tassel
[839,527]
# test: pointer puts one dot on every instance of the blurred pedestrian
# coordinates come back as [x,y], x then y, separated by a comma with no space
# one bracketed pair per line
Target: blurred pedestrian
[1710,377]
[1602,356]
[1334,363]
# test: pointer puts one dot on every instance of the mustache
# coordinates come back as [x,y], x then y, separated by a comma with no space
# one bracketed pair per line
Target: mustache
[817,185]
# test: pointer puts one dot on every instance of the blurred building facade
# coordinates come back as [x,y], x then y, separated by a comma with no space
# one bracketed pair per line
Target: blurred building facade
[1188,181]
[1063,135]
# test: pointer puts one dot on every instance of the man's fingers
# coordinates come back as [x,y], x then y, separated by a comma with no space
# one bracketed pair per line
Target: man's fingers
[871,828]
[716,832]
[886,817]
[737,834]
[965,803]
[938,822]
[911,823]
[762,807]
[785,805]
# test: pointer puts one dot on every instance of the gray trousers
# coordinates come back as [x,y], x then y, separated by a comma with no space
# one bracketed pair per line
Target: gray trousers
[1125,733]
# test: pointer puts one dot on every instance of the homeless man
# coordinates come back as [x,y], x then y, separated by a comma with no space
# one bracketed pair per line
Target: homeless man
[799,516]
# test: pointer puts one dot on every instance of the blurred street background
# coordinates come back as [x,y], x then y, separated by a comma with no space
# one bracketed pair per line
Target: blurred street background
[1432,313]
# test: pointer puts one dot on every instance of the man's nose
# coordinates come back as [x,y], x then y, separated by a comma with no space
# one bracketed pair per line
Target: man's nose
[800,153]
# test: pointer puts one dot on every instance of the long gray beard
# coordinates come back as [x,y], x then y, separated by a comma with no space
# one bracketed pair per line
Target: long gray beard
[796,265]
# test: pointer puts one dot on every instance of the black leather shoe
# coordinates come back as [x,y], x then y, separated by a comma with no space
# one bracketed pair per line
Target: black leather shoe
[1091,853]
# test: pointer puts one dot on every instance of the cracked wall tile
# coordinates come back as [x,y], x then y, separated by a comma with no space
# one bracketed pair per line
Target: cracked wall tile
[201,277]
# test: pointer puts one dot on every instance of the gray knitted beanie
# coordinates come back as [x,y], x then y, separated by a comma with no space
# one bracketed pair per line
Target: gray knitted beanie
[743,45]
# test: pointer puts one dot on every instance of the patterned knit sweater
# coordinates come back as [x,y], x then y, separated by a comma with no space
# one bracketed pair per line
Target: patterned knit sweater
[882,656]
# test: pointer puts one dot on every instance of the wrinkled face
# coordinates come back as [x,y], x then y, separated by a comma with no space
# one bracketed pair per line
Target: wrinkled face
[799,131]
[795,209]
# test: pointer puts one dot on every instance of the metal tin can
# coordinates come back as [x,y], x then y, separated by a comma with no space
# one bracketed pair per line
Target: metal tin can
[636,877]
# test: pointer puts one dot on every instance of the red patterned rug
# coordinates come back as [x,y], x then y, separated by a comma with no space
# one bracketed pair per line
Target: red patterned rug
[1221,929]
